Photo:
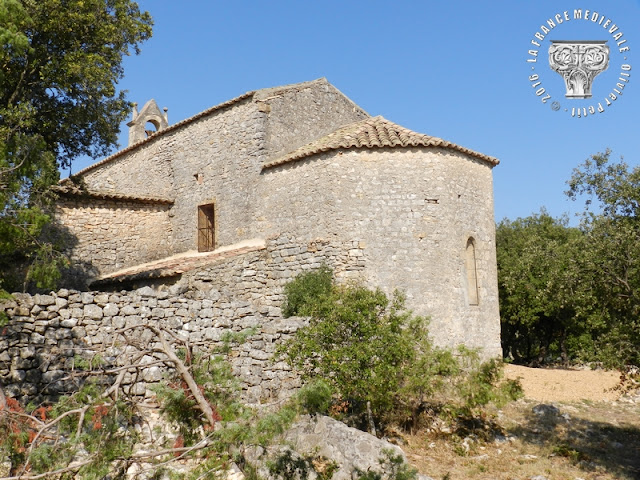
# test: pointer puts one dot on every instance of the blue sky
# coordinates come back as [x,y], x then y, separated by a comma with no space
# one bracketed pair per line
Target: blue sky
[456,70]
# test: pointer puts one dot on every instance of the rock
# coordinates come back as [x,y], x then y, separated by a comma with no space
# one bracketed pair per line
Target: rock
[527,457]
[147,292]
[350,448]
[545,410]
[93,311]
[484,456]
[63,293]
[44,300]
[234,473]
[110,310]
[86,298]
[5,467]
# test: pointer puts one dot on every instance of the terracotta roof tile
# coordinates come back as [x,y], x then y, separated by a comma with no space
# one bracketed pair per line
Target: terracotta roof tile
[375,132]
[74,191]
[173,266]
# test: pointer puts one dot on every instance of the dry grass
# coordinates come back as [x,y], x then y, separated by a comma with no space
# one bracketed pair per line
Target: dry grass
[581,440]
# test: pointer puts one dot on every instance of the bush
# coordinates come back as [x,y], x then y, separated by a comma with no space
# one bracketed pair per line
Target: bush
[303,293]
[377,357]
[315,397]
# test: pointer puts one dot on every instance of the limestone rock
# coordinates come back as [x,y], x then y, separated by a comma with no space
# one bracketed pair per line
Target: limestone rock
[348,447]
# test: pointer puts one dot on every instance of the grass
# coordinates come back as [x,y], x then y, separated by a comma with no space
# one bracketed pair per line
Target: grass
[588,440]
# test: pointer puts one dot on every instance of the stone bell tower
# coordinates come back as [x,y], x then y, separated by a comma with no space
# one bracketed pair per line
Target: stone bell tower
[146,122]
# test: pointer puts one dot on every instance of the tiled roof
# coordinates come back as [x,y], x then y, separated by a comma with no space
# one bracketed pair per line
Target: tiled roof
[258,93]
[74,191]
[375,132]
[175,265]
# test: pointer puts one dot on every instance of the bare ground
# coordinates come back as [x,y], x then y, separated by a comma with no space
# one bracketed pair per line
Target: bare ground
[584,430]
[563,385]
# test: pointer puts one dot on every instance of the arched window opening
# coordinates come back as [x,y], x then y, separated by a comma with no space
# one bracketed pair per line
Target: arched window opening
[151,127]
[471,271]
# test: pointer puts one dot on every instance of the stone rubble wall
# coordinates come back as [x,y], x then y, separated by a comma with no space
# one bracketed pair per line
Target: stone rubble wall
[413,212]
[216,159]
[113,234]
[49,338]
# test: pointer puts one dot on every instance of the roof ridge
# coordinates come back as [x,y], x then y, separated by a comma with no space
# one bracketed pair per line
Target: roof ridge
[72,190]
[193,118]
[373,132]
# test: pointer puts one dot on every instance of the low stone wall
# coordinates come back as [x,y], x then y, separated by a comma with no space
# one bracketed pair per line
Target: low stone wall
[49,338]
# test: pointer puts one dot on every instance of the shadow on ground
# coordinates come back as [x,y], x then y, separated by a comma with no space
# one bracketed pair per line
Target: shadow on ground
[610,445]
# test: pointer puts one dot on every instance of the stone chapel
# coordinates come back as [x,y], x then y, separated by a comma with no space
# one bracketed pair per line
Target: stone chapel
[304,163]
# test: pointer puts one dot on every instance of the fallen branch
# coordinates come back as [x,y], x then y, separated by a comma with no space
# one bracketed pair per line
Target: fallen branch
[70,468]
[182,369]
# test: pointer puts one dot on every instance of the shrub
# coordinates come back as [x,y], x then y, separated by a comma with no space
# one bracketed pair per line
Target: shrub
[377,357]
[303,293]
[357,341]
[315,397]
[393,467]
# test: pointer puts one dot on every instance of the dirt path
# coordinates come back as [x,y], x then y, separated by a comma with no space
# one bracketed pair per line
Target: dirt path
[560,385]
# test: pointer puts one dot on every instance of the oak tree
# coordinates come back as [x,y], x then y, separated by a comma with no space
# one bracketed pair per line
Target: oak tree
[60,63]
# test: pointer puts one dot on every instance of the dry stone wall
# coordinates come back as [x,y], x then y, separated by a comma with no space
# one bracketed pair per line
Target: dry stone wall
[51,337]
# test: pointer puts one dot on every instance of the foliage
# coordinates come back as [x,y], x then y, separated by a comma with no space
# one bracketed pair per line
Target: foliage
[61,62]
[539,282]
[572,293]
[219,386]
[291,465]
[612,253]
[102,428]
[238,426]
[302,294]
[315,397]
[377,357]
[393,467]
[356,340]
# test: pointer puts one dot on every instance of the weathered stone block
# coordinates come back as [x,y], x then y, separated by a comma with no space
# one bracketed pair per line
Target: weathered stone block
[78,332]
[28,352]
[86,298]
[69,323]
[110,310]
[93,311]
[128,310]
[101,299]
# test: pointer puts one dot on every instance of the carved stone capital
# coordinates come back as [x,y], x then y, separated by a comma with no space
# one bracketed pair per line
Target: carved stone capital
[578,62]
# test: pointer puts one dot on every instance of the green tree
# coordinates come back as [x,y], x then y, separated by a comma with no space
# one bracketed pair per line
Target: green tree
[539,282]
[573,292]
[60,63]
[611,220]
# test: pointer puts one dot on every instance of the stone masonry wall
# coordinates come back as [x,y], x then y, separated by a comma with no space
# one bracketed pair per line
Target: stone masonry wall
[412,212]
[108,235]
[299,114]
[217,158]
[49,337]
